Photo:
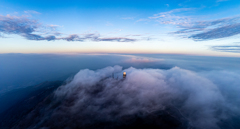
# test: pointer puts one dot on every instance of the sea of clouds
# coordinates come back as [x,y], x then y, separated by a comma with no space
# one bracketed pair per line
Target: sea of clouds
[207,100]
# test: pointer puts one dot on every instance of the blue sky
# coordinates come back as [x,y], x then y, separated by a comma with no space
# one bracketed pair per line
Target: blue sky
[207,27]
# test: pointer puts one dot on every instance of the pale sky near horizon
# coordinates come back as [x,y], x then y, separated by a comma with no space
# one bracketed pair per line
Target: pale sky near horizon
[207,27]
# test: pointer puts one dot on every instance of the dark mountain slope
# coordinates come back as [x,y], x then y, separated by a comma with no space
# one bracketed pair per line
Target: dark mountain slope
[18,103]
[42,109]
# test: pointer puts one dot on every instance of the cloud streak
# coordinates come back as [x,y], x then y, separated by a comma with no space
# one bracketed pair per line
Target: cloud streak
[97,38]
[227,48]
[31,12]
[33,30]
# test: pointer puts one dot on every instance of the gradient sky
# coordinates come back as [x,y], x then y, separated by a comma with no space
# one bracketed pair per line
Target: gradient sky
[206,27]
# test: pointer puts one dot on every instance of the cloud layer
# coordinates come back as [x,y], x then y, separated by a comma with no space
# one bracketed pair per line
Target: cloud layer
[95,97]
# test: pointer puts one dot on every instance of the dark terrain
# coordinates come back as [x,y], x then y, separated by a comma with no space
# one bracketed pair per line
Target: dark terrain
[28,108]
[37,107]
[16,104]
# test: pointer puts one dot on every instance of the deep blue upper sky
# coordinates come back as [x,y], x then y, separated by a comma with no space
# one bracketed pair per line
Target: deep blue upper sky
[206,27]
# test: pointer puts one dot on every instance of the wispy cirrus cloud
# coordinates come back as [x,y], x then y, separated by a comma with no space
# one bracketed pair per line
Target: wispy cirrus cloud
[128,18]
[198,30]
[219,32]
[33,30]
[31,12]
[221,1]
[172,17]
[212,29]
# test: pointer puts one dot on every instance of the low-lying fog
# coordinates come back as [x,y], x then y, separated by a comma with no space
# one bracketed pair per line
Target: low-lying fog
[21,70]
